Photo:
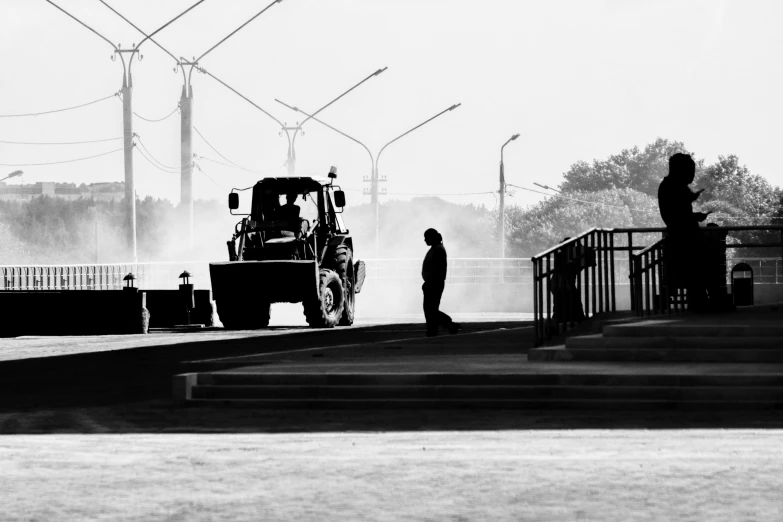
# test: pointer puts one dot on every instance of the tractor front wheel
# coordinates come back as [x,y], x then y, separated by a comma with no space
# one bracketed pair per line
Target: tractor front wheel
[326,311]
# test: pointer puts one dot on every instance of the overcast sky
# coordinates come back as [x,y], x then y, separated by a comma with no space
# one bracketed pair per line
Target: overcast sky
[578,79]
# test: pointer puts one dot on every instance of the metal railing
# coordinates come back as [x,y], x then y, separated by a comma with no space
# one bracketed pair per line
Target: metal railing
[165,275]
[98,277]
[461,270]
[578,270]
[650,293]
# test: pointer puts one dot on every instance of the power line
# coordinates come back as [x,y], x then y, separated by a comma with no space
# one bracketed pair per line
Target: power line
[581,200]
[158,120]
[236,30]
[58,110]
[151,162]
[173,169]
[238,167]
[443,194]
[58,162]
[717,214]
[208,176]
[58,142]
[427,194]
[213,148]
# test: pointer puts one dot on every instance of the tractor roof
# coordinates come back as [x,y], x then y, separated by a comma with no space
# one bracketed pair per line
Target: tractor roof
[298,184]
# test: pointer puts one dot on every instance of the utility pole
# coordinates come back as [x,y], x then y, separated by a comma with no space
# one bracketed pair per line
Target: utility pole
[186,121]
[502,209]
[186,157]
[127,127]
[127,132]
[127,123]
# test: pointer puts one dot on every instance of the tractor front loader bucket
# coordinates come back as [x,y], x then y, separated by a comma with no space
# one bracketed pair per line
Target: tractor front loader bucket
[264,282]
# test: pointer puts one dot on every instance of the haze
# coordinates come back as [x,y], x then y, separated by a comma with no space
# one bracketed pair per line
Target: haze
[579,80]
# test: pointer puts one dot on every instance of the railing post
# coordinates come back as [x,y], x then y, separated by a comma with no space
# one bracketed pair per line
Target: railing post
[587,281]
[606,269]
[611,264]
[600,261]
[548,321]
[535,303]
[540,268]
[646,265]
[631,268]
[596,287]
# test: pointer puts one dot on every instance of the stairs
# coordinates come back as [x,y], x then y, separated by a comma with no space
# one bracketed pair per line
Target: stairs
[661,342]
[649,365]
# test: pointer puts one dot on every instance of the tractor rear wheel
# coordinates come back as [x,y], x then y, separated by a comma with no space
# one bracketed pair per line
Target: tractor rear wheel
[326,311]
[236,316]
[343,260]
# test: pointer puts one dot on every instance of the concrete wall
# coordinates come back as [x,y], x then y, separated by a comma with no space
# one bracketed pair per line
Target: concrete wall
[167,308]
[72,312]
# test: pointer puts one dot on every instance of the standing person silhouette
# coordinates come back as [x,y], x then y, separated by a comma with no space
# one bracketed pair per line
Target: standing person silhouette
[433,271]
[675,200]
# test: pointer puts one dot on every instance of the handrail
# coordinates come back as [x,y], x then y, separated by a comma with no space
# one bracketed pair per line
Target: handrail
[598,290]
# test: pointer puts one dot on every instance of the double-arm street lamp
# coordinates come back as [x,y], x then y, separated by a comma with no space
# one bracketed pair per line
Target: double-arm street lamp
[12,175]
[502,209]
[291,162]
[374,178]
[186,116]
[127,121]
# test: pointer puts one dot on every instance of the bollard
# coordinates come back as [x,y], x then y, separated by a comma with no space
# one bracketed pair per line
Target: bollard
[186,293]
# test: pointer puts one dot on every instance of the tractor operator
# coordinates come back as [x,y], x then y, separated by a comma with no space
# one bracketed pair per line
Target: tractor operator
[289,213]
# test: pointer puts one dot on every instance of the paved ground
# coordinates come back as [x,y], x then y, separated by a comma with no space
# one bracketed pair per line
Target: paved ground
[101,440]
[732,475]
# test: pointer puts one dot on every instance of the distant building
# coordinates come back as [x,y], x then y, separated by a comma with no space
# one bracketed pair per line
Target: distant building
[98,191]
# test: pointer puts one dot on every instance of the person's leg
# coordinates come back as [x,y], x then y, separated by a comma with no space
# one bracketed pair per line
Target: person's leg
[430,309]
[442,318]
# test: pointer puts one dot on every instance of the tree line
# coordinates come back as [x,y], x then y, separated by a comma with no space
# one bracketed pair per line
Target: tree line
[617,192]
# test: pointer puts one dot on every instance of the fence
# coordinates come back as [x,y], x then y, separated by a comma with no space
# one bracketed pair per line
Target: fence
[166,275]
[595,285]
[99,277]
[460,270]
[651,293]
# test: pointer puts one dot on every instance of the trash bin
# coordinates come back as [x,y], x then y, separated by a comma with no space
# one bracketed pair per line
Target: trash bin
[742,284]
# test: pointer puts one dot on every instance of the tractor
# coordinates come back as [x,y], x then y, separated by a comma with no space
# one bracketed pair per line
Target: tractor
[287,253]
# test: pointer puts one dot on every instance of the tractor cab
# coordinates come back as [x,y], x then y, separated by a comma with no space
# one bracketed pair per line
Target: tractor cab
[290,218]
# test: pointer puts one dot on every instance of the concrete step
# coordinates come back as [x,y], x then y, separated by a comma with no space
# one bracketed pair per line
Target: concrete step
[695,342]
[502,393]
[662,328]
[679,354]
[479,404]
[663,378]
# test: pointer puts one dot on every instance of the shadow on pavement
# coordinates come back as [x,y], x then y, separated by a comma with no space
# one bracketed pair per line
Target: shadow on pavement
[141,373]
[160,417]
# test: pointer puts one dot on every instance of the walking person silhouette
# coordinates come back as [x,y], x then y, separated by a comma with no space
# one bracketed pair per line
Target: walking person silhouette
[433,271]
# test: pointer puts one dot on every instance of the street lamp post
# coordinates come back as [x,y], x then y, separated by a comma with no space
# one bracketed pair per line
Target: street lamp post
[12,175]
[291,161]
[127,119]
[374,178]
[186,115]
[502,209]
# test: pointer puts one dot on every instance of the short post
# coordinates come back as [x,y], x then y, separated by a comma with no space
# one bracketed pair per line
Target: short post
[129,283]
[186,291]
